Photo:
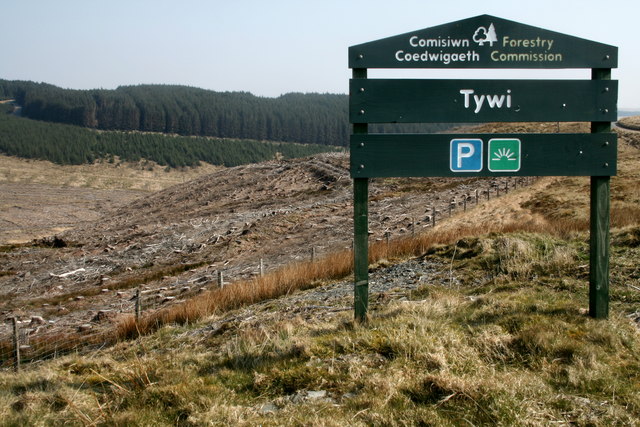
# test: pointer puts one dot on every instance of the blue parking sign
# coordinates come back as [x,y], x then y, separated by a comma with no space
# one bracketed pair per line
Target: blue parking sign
[466,155]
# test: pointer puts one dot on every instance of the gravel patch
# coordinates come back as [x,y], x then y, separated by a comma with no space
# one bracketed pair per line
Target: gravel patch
[319,304]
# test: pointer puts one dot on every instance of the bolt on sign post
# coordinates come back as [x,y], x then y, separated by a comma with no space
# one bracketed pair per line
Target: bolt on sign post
[484,42]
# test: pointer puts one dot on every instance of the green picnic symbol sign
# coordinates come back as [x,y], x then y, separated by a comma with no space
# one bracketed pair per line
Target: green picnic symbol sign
[504,155]
[486,42]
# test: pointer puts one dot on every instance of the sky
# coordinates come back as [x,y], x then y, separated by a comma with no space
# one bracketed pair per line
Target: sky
[270,47]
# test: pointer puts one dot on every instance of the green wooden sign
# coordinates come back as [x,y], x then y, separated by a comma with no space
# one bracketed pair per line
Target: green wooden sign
[483,42]
[451,155]
[480,101]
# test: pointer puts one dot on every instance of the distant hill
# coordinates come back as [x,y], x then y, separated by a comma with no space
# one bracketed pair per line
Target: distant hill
[295,117]
[628,113]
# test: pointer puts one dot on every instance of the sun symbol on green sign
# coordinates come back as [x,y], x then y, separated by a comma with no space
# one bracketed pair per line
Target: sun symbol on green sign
[504,154]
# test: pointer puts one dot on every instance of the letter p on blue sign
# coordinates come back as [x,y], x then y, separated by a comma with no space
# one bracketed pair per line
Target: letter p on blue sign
[466,155]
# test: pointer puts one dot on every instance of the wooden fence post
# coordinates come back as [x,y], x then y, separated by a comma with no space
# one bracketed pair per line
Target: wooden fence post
[138,305]
[16,345]
[220,279]
[261,267]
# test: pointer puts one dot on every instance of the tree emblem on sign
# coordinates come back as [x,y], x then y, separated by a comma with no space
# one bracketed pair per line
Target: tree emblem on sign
[484,35]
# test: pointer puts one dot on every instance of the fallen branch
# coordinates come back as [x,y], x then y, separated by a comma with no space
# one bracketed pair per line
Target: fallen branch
[70,273]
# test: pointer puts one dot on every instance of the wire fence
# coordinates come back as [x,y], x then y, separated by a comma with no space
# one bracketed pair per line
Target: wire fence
[25,347]
[28,341]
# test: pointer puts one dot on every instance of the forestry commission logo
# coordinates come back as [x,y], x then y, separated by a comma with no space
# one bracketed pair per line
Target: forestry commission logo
[485,35]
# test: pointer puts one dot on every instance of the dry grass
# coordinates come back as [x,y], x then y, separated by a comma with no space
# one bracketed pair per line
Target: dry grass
[144,175]
[509,344]
[502,351]
[305,275]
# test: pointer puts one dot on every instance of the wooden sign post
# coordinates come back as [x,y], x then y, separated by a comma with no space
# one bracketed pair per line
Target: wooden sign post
[491,43]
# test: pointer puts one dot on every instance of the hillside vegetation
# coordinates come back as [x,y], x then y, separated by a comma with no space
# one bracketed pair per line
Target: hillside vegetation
[294,117]
[480,321]
[66,144]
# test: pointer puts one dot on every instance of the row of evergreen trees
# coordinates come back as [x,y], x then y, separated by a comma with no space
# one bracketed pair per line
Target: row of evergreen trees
[305,118]
[67,144]
[295,117]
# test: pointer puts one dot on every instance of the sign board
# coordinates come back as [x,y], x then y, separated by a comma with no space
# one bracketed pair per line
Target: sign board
[483,42]
[451,155]
[480,101]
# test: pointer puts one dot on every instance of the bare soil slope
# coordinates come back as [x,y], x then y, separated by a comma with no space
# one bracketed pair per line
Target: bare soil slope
[173,242]
[39,198]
